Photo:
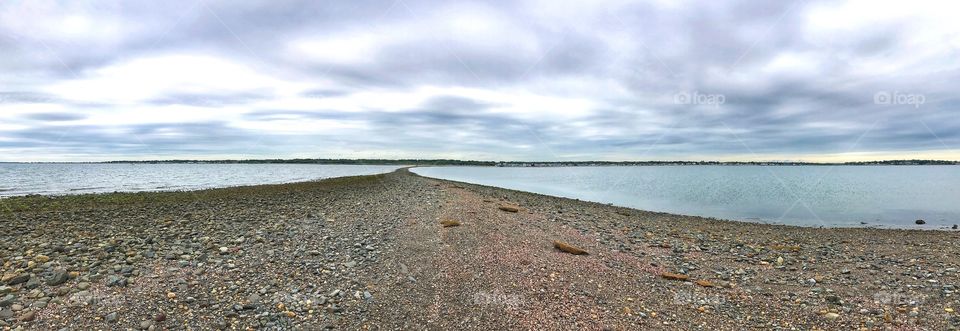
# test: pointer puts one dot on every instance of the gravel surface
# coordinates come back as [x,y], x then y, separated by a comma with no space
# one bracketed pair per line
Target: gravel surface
[370,252]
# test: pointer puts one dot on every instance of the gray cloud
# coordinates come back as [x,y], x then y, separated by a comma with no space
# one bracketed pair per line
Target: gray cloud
[793,80]
[209,100]
[56,117]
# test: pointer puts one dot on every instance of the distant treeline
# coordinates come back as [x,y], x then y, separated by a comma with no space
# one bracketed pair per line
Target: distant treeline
[429,162]
[329,161]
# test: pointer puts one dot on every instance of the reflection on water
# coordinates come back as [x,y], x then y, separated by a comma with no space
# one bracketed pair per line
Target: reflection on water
[892,196]
[22,179]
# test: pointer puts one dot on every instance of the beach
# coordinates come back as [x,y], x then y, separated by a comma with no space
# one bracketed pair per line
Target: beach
[370,253]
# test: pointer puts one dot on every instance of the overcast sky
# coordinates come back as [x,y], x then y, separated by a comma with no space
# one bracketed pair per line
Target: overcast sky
[493,80]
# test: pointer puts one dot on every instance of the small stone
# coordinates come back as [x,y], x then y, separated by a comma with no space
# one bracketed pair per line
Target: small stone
[83,286]
[224,250]
[6,313]
[58,277]
[145,325]
[18,279]
[920,222]
[565,247]
[367,295]
[28,316]
[833,299]
[831,316]
[673,276]
[41,259]
[160,317]
[705,283]
[449,223]
[171,295]
[511,209]
[115,280]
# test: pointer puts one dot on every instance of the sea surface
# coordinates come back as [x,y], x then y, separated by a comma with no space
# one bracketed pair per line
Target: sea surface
[78,178]
[829,196]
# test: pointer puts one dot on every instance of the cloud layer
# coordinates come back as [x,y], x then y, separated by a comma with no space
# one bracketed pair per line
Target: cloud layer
[510,80]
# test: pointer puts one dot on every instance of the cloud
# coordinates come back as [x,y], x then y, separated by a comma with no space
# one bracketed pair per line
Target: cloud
[524,80]
[56,117]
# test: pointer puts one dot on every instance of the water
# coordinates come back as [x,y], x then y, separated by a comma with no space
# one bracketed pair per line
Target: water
[58,179]
[842,196]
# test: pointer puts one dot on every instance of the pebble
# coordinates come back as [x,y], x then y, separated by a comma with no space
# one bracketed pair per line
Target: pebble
[19,279]
[58,277]
[111,317]
[28,316]
[6,313]
[832,316]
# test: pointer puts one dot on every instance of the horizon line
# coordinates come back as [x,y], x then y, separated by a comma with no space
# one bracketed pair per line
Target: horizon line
[474,161]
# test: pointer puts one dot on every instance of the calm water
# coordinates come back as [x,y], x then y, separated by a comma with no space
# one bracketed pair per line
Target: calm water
[885,196]
[56,179]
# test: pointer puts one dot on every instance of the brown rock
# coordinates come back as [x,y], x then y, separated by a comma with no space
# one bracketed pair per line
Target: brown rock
[568,248]
[28,316]
[705,283]
[511,209]
[449,223]
[673,276]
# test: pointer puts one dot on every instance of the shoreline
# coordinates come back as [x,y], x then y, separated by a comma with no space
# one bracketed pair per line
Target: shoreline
[369,252]
[110,195]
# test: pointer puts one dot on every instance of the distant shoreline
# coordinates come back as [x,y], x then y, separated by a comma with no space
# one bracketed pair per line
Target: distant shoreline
[448,162]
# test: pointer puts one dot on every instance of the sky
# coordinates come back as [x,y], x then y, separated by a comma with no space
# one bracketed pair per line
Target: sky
[486,80]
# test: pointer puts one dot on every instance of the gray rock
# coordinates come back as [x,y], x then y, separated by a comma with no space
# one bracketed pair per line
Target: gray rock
[19,279]
[6,313]
[58,277]
[111,317]
[32,283]
[114,280]
[7,300]
[28,316]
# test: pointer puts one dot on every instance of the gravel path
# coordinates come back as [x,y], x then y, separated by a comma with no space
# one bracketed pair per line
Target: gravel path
[369,252]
